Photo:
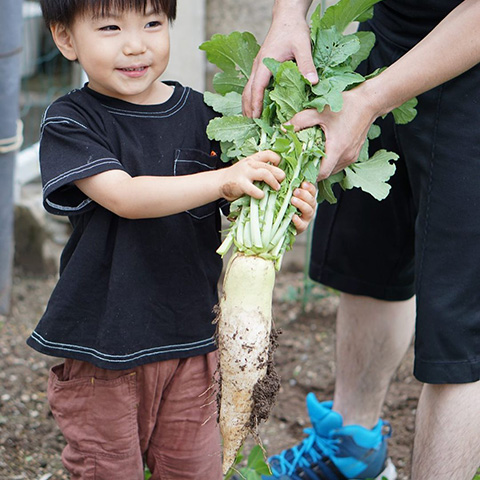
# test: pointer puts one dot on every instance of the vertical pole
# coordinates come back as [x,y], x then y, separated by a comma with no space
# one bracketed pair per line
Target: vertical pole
[10,49]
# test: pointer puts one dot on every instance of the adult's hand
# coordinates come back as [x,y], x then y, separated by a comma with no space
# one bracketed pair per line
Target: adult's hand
[345,131]
[440,56]
[287,39]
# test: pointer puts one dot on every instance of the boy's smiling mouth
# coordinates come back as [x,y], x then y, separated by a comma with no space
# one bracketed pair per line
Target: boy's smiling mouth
[134,71]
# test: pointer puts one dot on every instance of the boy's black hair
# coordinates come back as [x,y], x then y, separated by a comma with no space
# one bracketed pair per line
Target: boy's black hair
[64,12]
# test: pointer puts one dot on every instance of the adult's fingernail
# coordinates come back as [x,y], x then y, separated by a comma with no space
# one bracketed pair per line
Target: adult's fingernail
[311,77]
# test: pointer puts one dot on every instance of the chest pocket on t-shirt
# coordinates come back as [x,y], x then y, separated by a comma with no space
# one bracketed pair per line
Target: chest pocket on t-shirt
[188,162]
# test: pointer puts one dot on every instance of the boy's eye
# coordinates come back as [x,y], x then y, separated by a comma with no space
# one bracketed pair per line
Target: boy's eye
[153,24]
[110,28]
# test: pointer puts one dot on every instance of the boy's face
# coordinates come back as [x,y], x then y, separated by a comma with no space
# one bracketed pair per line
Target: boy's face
[123,54]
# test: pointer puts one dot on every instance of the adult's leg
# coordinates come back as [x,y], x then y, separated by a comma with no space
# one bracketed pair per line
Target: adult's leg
[372,338]
[447,336]
[447,440]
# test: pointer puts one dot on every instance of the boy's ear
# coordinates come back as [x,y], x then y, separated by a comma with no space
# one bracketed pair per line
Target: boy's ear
[63,39]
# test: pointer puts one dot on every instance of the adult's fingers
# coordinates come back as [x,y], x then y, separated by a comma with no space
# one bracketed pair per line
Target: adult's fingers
[303,57]
[339,153]
[305,119]
[342,147]
[252,98]
[312,117]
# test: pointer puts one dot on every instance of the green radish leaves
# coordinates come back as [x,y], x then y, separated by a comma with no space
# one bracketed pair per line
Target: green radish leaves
[227,105]
[264,227]
[372,175]
[236,129]
[289,92]
[342,14]
[234,54]
[333,48]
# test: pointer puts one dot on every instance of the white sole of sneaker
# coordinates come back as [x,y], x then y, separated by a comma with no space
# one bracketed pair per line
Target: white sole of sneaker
[390,473]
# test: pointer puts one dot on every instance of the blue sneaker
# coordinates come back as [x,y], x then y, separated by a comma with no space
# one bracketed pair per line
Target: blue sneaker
[334,452]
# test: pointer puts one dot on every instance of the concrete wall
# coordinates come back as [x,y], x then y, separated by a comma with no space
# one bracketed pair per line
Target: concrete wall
[187,63]
[198,20]
[225,16]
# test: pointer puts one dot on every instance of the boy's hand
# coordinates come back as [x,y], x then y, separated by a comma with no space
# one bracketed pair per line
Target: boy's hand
[238,179]
[305,199]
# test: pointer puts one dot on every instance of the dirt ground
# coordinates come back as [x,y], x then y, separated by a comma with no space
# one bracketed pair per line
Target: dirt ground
[30,443]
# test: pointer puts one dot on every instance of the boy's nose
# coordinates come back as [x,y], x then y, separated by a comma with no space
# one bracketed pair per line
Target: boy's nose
[134,46]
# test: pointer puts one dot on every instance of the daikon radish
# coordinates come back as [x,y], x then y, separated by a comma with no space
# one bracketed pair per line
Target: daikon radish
[244,327]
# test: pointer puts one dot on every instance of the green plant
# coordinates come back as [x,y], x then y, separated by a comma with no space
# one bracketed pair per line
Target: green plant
[262,230]
[256,465]
[263,227]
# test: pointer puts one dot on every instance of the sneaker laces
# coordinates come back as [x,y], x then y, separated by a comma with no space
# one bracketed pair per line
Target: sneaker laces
[310,451]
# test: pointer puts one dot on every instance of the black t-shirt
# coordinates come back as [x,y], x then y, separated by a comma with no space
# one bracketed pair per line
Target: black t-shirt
[130,292]
[406,22]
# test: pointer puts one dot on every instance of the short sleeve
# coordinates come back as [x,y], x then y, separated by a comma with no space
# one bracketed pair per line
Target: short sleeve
[73,146]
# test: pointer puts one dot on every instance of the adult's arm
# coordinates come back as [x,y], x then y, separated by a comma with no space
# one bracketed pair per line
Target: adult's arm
[450,49]
[288,38]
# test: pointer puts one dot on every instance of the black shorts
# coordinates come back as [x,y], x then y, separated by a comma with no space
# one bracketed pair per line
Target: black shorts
[424,238]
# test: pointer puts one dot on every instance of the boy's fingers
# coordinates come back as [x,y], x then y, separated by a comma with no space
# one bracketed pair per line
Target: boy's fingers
[307,193]
[254,191]
[267,156]
[272,176]
[305,208]
[308,187]
[276,173]
[300,224]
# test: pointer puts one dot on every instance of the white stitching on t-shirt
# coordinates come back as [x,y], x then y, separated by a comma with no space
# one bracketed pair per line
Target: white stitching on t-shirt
[68,209]
[181,347]
[168,113]
[82,168]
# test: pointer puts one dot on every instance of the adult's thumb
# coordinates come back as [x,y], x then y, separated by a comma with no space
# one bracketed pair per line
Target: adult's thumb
[306,67]
[305,119]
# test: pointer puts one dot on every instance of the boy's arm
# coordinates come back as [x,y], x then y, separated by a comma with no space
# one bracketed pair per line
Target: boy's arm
[151,197]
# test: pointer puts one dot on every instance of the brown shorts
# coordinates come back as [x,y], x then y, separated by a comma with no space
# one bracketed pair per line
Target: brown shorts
[162,413]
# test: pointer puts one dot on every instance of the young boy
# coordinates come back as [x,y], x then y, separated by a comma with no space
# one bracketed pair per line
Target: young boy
[127,158]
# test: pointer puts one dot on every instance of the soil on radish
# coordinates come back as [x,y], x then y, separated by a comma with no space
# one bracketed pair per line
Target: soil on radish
[266,389]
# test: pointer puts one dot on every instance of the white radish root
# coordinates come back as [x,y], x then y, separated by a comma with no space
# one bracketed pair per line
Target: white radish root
[244,327]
